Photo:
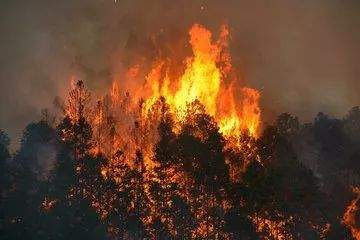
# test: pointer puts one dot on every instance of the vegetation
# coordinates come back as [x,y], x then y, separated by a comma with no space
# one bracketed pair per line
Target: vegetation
[293,182]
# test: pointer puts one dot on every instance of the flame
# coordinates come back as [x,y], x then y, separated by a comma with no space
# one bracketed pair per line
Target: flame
[349,218]
[275,229]
[125,127]
[129,121]
[204,80]
[125,131]
[115,93]
[77,101]
[208,77]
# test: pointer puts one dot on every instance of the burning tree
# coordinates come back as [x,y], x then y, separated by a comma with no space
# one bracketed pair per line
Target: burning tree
[181,158]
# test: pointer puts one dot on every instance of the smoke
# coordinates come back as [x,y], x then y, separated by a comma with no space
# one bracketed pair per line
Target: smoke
[302,55]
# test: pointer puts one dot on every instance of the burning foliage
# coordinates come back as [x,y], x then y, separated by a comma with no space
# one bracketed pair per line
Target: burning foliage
[349,218]
[181,157]
[130,121]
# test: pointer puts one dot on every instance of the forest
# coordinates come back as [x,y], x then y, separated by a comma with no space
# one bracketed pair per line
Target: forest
[179,181]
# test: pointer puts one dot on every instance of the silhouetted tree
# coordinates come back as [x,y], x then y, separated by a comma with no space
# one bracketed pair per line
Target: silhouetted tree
[27,176]
[282,188]
[169,204]
[4,157]
[352,124]
[4,178]
[197,184]
[239,225]
[201,149]
[75,179]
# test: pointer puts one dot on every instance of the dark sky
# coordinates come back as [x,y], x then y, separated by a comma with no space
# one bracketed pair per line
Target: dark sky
[304,55]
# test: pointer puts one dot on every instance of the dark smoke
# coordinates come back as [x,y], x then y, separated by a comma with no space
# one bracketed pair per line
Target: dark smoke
[303,55]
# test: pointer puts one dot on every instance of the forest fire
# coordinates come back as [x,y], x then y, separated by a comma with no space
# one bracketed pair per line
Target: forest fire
[201,99]
[148,130]
[180,156]
[204,80]
[207,78]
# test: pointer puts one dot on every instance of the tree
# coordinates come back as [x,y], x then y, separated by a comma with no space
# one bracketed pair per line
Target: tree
[4,157]
[74,128]
[68,205]
[171,207]
[352,124]
[287,125]
[78,102]
[238,224]
[38,149]
[201,149]
[281,188]
[4,177]
[27,176]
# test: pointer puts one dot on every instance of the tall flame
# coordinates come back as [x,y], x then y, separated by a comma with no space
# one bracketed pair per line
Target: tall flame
[204,80]
[125,127]
[207,77]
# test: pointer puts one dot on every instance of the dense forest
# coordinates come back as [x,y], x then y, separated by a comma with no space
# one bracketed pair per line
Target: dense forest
[294,181]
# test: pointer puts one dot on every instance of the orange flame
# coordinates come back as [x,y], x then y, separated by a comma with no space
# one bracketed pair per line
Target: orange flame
[349,218]
[207,77]
[204,80]
[125,126]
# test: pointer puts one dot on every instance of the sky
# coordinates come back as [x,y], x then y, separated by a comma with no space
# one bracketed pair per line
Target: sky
[303,55]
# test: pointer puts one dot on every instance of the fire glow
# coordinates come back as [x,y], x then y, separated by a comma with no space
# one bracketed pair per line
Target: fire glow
[203,80]
[208,78]
[124,125]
